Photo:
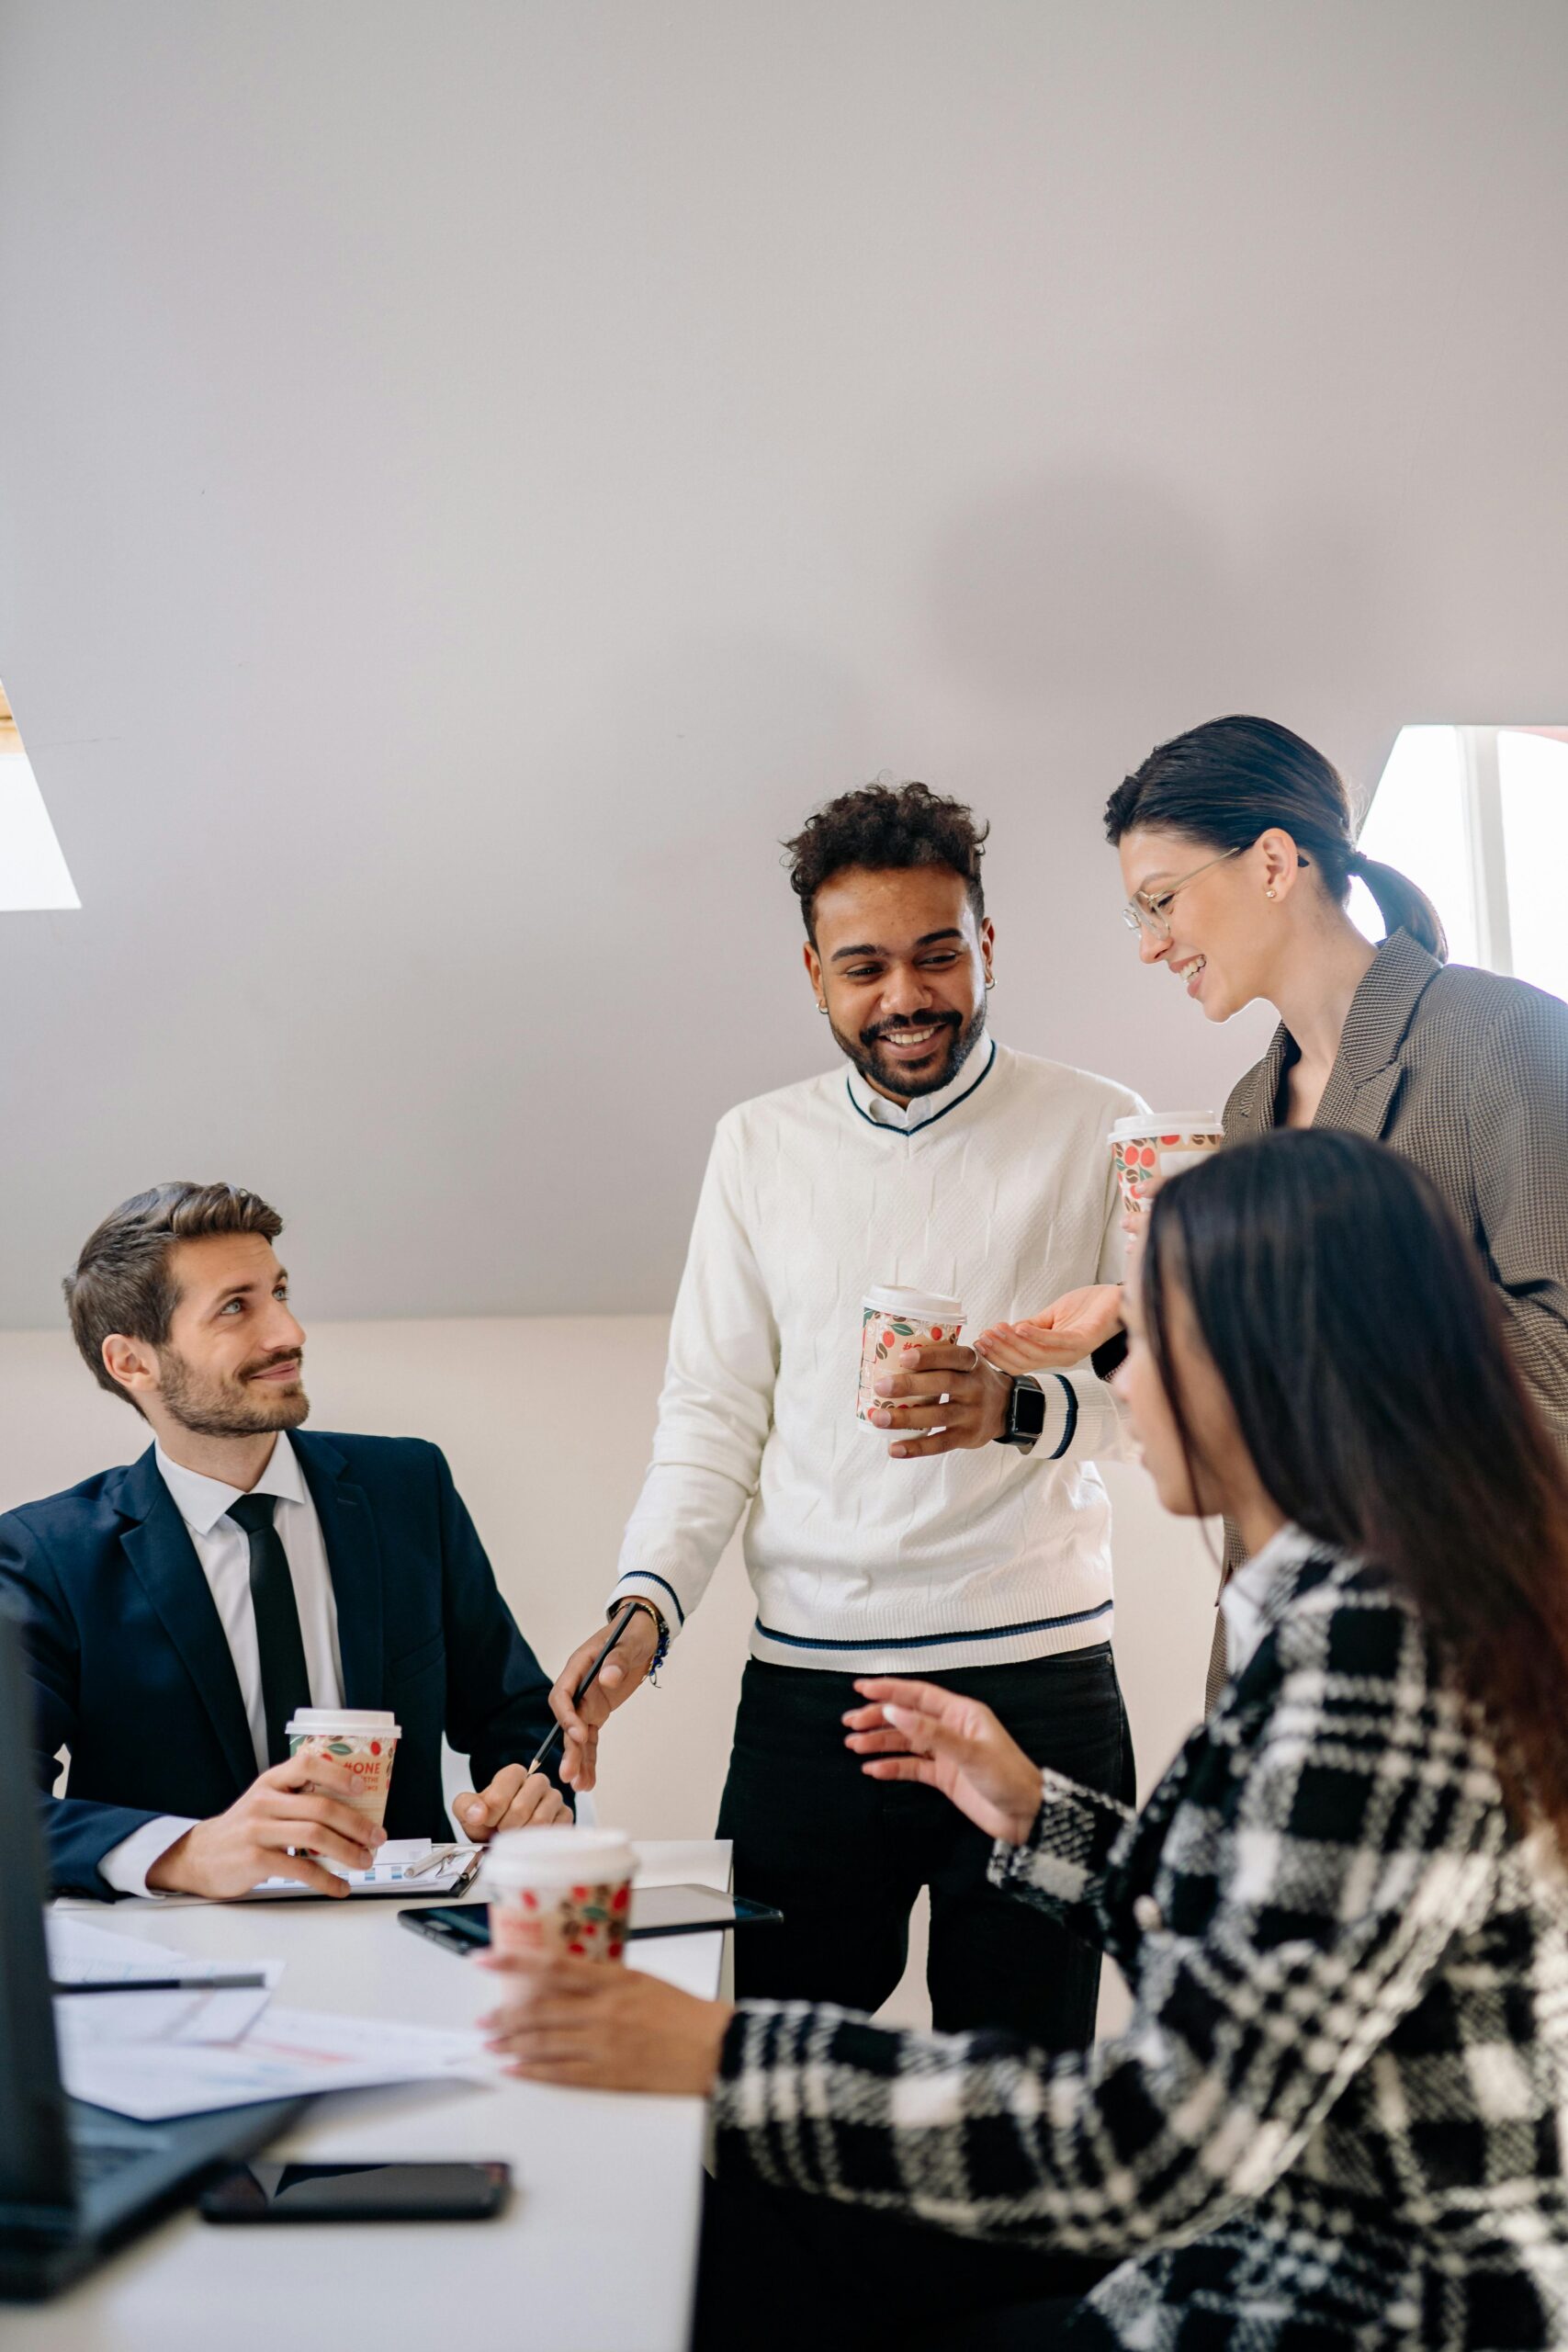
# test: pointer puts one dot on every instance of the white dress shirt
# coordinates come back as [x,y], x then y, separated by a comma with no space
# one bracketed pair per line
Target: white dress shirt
[1245,1598]
[918,1112]
[223,1549]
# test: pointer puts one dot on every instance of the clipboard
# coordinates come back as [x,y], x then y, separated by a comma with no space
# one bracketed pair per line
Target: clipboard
[393,1873]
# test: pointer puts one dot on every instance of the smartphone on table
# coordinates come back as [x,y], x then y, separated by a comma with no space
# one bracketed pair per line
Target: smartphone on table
[367,2191]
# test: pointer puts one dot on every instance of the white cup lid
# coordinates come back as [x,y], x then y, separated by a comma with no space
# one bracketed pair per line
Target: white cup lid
[920,1305]
[556,1856]
[1166,1123]
[349,1720]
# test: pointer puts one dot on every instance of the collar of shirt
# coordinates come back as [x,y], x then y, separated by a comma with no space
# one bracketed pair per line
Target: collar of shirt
[906,1117]
[201,1503]
[1246,1597]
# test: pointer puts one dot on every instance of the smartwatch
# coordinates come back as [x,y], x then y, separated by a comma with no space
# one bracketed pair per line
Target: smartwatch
[1025,1414]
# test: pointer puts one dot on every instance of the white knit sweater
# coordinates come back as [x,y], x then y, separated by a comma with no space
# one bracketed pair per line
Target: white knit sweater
[1001,1194]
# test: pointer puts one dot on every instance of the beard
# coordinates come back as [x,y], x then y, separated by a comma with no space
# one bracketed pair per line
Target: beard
[227,1405]
[893,1077]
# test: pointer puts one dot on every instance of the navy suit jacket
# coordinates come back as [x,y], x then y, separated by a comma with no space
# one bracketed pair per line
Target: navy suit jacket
[131,1669]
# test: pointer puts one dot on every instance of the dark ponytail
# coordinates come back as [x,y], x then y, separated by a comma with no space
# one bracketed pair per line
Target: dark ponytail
[1228,781]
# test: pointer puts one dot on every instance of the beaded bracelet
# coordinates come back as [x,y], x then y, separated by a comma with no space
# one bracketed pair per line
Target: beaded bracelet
[661,1650]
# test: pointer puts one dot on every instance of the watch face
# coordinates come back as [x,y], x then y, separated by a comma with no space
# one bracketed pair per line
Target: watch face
[1027,1410]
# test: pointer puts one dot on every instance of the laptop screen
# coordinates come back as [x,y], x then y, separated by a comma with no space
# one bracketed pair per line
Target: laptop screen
[35,2155]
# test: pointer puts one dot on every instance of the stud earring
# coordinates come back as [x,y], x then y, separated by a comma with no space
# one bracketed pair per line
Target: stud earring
[1270,892]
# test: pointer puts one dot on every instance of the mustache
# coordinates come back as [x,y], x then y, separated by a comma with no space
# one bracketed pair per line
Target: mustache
[278,1355]
[926,1021]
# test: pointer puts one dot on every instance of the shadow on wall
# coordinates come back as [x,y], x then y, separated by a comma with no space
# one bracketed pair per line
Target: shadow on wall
[1096,592]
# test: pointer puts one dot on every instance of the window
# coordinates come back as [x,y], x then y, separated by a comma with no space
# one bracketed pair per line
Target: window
[33,874]
[1478,815]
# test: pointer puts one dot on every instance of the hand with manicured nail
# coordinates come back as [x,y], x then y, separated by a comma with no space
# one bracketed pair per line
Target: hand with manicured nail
[1065,1332]
[602,2026]
[917,1731]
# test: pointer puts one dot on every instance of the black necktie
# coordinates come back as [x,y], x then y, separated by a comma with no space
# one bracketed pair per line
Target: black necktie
[284,1683]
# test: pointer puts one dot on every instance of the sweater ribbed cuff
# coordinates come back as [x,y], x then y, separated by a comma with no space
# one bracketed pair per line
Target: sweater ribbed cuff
[645,1586]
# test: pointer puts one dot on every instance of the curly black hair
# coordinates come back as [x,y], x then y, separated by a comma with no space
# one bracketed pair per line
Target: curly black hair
[884,825]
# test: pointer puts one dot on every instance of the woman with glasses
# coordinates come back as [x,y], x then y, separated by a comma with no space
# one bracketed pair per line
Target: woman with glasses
[1337,2115]
[1238,849]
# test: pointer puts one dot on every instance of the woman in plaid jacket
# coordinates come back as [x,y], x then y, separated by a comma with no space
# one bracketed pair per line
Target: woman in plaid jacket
[1337,2114]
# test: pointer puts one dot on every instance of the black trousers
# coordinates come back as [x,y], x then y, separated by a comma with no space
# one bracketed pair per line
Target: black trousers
[780,2271]
[845,1857]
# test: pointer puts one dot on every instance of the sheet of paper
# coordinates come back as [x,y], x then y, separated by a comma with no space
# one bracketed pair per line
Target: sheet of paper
[164,2017]
[392,1865]
[82,1954]
[291,2053]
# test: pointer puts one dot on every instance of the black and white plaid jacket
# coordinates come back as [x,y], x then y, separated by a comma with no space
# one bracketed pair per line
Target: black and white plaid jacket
[1337,2114]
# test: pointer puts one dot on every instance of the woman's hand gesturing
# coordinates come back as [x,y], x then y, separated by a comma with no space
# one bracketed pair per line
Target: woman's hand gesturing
[916,1730]
[1065,1332]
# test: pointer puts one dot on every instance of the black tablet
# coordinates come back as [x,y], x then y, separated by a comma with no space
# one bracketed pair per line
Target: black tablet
[656,1911]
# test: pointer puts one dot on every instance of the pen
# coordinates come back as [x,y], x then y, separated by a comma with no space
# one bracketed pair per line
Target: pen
[585,1685]
[170,1985]
[438,1858]
[461,1886]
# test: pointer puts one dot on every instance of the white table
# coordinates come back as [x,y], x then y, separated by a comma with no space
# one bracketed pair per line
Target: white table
[597,2251]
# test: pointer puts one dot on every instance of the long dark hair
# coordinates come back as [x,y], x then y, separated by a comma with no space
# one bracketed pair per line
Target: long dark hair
[1231,779]
[1363,1353]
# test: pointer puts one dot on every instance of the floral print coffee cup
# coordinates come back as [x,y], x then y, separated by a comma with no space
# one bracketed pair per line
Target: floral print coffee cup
[558,1890]
[362,1740]
[893,1319]
[1152,1145]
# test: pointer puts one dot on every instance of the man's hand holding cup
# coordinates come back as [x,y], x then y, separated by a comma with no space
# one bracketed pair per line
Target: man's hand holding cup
[302,1803]
[946,1395]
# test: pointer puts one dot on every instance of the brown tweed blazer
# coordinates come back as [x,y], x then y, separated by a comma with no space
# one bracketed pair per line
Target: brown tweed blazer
[1466,1073]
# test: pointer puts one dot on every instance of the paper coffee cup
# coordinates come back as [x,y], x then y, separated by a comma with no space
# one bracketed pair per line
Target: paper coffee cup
[558,1890]
[363,1741]
[1150,1144]
[893,1319]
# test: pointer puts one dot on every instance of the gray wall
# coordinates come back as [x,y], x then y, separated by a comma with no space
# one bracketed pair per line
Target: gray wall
[471,477]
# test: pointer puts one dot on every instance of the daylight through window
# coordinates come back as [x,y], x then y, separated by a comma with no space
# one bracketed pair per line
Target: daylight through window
[1478,815]
[33,872]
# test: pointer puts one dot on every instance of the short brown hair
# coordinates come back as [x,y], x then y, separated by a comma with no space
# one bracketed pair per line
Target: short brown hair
[881,825]
[121,1280]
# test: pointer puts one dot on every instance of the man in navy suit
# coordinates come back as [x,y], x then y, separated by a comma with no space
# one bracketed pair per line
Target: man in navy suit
[178,1611]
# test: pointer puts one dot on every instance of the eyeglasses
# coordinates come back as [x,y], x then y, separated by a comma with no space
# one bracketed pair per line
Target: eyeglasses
[1143,912]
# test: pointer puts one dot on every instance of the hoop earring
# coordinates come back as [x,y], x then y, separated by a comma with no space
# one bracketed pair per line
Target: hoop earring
[823,1010]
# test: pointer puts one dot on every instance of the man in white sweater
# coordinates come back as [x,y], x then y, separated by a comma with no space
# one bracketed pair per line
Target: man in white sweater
[973,1544]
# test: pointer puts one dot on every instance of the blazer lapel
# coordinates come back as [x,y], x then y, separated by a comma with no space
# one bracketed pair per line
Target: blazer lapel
[1364,1109]
[158,1545]
[1253,1114]
[354,1555]
[1367,1070]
